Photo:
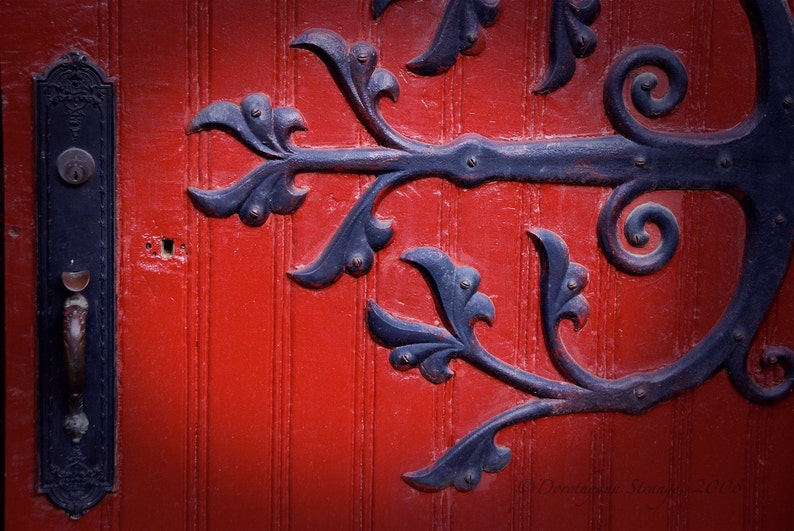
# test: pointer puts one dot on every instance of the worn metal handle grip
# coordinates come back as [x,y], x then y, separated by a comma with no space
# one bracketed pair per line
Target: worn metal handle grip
[75,315]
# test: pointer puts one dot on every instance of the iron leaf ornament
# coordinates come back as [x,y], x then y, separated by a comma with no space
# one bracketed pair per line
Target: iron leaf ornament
[752,162]
[458,32]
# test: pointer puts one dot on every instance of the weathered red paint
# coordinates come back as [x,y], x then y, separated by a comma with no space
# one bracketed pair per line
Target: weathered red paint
[246,401]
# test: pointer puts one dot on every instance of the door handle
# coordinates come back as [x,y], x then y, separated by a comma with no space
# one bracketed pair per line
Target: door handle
[76,213]
[75,314]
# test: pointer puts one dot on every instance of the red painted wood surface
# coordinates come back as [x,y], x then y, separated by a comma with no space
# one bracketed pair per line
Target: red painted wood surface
[247,402]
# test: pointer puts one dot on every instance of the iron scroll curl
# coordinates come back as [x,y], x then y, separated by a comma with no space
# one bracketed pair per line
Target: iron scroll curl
[752,162]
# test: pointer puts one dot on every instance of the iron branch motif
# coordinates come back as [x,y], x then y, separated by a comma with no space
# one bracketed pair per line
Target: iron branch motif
[753,162]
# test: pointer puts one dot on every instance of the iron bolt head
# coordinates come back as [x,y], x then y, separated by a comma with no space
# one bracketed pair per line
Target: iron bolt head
[779,219]
[572,285]
[640,392]
[254,213]
[357,262]
[362,58]
[471,162]
[725,162]
[471,37]
[788,101]
[465,284]
[256,112]
[738,336]
[639,162]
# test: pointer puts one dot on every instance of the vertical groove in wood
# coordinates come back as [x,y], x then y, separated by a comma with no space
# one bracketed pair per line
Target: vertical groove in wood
[680,440]
[689,293]
[757,452]
[198,279]
[604,363]
[533,128]
[442,394]
[276,358]
[203,38]
[521,472]
[355,482]
[284,303]
[365,352]
[761,461]
[751,503]
[191,374]
[536,130]
[455,399]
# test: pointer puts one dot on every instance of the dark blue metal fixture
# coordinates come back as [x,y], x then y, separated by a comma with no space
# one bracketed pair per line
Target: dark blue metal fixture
[752,162]
[76,168]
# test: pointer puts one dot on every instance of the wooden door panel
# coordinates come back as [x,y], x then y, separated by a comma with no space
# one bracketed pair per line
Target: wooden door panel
[247,401]
[156,374]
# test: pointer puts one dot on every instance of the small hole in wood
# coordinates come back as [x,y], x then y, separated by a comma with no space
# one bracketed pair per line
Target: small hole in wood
[167,248]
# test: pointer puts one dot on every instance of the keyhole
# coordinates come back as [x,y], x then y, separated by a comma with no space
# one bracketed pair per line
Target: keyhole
[75,166]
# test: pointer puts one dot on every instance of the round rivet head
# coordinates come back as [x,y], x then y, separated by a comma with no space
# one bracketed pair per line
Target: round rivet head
[362,58]
[357,262]
[465,284]
[639,162]
[779,219]
[738,336]
[725,162]
[256,113]
[640,392]
[572,285]
[254,213]
[788,101]
[75,166]
[471,37]
[471,162]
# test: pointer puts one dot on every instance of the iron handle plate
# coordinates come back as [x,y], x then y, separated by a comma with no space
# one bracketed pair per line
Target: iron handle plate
[75,136]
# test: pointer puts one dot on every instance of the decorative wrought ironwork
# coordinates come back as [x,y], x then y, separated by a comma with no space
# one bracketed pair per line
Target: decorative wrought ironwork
[752,162]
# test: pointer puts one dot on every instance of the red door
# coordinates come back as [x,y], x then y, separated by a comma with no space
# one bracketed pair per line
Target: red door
[255,388]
